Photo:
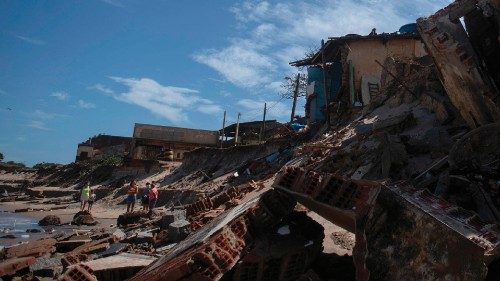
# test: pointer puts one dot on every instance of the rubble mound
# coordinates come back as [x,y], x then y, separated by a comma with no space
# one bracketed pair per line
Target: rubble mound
[216,162]
[50,220]
[83,218]
[94,170]
[131,218]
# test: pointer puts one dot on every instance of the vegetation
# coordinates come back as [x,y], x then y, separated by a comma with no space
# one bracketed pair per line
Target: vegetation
[16,164]
[290,83]
[11,164]
[45,165]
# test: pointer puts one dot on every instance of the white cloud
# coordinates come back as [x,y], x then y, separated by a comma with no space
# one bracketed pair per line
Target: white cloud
[254,109]
[169,102]
[103,89]
[216,80]
[60,95]
[42,115]
[116,3]
[21,138]
[275,33]
[36,124]
[29,40]
[226,94]
[85,105]
[210,108]
[241,63]
[275,86]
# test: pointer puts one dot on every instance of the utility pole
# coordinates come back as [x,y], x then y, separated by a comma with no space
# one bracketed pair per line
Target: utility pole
[295,94]
[223,126]
[327,111]
[237,130]
[263,128]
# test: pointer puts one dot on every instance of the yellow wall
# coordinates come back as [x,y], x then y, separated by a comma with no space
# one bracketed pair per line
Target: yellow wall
[88,149]
[364,53]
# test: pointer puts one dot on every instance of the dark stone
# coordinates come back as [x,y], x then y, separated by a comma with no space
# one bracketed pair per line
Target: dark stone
[171,216]
[178,230]
[83,218]
[114,249]
[50,220]
[131,218]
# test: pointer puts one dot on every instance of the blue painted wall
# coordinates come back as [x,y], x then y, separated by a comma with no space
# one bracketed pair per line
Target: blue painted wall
[333,80]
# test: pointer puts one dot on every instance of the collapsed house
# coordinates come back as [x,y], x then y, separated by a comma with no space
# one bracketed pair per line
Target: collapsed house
[148,143]
[435,214]
[153,141]
[249,133]
[348,72]
[103,145]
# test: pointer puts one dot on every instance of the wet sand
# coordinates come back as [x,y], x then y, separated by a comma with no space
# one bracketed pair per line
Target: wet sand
[17,223]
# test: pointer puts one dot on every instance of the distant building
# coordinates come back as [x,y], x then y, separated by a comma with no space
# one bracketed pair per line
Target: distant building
[101,145]
[353,67]
[153,142]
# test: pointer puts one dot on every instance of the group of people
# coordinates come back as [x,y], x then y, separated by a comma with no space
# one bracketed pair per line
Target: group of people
[87,197]
[148,196]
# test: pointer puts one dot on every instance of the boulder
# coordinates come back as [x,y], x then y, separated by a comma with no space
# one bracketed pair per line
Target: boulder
[83,218]
[131,218]
[50,220]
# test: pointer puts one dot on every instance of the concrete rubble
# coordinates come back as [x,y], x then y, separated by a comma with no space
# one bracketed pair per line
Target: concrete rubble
[407,170]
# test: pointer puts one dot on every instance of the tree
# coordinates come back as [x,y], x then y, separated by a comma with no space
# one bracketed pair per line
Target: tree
[16,164]
[45,165]
[1,157]
[290,83]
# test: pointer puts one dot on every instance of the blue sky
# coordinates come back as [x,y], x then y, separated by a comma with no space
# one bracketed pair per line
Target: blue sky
[73,69]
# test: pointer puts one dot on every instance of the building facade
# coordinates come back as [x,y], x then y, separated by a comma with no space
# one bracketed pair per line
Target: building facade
[354,65]
[154,142]
[103,145]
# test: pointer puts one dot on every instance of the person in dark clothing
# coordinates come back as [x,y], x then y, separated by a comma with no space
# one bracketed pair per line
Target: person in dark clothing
[145,197]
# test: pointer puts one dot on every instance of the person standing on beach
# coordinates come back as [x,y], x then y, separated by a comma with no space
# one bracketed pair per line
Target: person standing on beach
[153,197]
[91,199]
[84,196]
[131,196]
[145,197]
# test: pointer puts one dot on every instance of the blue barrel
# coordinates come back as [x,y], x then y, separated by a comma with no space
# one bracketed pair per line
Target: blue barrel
[408,28]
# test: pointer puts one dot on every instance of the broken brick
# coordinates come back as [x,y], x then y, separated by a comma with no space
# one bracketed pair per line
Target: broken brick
[79,272]
[32,248]
[11,266]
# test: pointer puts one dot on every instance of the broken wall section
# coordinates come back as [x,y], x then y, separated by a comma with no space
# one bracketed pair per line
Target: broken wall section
[215,162]
[243,232]
[468,85]
[402,233]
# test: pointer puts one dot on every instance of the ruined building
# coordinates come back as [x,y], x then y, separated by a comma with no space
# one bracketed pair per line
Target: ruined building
[153,141]
[349,72]
[101,145]
[250,132]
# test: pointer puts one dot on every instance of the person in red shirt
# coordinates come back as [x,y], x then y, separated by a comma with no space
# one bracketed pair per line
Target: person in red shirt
[153,197]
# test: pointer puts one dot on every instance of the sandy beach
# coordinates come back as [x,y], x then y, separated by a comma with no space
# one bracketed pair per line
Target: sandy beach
[17,223]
